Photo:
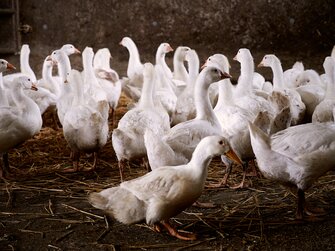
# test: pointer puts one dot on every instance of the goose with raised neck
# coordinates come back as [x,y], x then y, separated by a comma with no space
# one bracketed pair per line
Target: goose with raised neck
[184,136]
[185,109]
[127,138]
[66,93]
[324,110]
[20,121]
[4,66]
[135,66]
[161,52]
[84,128]
[297,106]
[179,70]
[108,79]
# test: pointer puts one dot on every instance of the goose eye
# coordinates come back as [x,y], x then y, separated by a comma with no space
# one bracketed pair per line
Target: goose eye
[221,142]
[28,79]
[2,62]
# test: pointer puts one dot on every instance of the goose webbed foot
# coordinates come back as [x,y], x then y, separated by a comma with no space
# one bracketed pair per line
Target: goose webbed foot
[174,232]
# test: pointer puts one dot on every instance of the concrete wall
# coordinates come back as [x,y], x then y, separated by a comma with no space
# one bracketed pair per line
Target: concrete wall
[211,24]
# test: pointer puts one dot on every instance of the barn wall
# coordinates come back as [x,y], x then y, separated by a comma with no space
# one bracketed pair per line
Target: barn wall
[211,24]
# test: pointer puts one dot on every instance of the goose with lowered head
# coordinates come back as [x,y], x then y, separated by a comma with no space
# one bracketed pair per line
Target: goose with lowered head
[20,121]
[164,192]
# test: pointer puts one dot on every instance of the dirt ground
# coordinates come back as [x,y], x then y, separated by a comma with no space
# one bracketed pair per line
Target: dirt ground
[43,208]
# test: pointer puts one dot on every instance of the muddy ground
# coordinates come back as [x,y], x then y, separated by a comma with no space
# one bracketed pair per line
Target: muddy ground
[43,208]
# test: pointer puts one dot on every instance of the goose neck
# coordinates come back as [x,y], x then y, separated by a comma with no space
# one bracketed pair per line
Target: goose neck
[203,106]
[278,75]
[330,93]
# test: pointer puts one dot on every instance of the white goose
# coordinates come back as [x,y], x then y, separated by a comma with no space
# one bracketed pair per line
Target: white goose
[161,52]
[180,72]
[312,91]
[66,96]
[324,110]
[108,78]
[164,192]
[18,122]
[48,88]
[291,75]
[4,65]
[127,138]
[95,95]
[296,105]
[185,108]
[25,68]
[184,137]
[135,66]
[296,156]
[84,127]
[244,95]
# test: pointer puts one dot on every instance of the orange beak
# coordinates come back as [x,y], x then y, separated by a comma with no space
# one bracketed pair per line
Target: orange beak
[77,51]
[260,64]
[10,66]
[233,156]
[169,48]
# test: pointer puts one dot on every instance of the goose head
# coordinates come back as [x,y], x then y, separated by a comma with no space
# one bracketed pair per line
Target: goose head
[212,74]
[127,41]
[219,61]
[164,48]
[218,145]
[102,58]
[25,82]
[5,65]
[181,51]
[69,49]
[268,60]
[49,62]
[328,65]
[308,77]
[243,55]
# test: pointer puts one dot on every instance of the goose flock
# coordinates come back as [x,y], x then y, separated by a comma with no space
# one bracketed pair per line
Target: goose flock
[181,118]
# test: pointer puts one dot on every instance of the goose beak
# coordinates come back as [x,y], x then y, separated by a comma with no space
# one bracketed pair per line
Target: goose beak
[169,48]
[235,58]
[261,64]
[76,51]
[233,156]
[34,87]
[10,66]
[204,65]
[225,75]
